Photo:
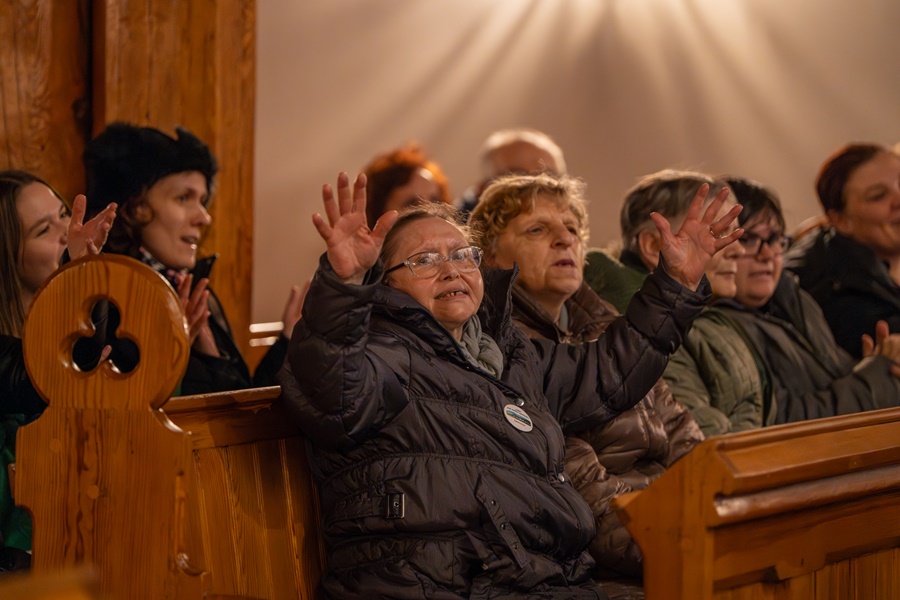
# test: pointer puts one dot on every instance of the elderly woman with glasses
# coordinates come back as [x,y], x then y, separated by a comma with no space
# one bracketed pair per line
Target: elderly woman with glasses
[800,372]
[540,224]
[437,427]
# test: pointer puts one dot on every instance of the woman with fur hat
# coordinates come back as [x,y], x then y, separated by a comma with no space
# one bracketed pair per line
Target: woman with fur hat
[163,186]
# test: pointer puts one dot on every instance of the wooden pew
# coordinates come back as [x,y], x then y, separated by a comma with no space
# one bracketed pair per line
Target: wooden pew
[805,511]
[78,584]
[196,497]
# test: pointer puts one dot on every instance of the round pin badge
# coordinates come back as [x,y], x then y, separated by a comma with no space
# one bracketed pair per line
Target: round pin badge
[517,417]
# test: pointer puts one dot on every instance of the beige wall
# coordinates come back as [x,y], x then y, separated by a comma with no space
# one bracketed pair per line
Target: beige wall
[763,88]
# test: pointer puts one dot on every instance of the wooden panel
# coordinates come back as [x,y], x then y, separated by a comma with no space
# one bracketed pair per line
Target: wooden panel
[79,584]
[103,473]
[308,545]
[259,508]
[44,110]
[151,316]
[802,511]
[222,419]
[165,63]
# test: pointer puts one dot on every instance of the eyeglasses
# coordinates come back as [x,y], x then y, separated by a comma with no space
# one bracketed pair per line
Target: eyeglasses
[777,242]
[428,264]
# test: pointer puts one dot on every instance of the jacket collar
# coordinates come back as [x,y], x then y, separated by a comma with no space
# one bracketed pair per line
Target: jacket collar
[495,311]
[589,315]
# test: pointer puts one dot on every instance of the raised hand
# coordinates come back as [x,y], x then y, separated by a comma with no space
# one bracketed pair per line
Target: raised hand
[88,238]
[885,344]
[687,252]
[294,308]
[353,248]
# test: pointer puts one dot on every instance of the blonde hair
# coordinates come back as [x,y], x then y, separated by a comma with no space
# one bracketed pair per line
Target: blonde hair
[511,195]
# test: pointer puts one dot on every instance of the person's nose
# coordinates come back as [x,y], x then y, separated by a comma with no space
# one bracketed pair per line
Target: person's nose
[734,250]
[202,216]
[448,270]
[63,227]
[563,238]
[895,197]
[765,251]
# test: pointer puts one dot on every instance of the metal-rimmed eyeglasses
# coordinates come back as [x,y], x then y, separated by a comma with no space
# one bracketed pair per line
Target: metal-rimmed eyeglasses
[752,243]
[428,264]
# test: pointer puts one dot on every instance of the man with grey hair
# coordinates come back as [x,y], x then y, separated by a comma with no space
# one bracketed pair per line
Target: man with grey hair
[519,150]
[615,275]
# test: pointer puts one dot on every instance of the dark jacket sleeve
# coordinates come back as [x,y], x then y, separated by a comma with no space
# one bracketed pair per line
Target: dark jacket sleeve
[589,384]
[223,373]
[267,369]
[851,314]
[17,395]
[867,385]
[337,391]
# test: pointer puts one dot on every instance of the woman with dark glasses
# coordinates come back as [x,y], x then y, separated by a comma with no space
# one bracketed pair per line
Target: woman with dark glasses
[781,363]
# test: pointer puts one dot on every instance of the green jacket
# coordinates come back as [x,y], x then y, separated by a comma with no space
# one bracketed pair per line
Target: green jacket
[717,377]
[800,371]
[614,280]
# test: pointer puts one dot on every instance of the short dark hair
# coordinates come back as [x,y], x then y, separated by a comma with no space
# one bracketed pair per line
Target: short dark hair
[759,201]
[838,168]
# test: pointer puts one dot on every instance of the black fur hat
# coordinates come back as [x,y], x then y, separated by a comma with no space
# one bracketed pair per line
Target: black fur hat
[126,160]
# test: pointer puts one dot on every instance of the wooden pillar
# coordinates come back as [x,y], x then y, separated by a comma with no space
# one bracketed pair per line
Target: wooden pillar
[44,75]
[165,63]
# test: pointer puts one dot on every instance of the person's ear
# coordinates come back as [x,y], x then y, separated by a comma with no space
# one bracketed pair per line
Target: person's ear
[648,248]
[142,212]
[488,258]
[839,221]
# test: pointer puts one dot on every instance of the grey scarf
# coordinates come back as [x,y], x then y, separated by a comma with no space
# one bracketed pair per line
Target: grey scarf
[480,349]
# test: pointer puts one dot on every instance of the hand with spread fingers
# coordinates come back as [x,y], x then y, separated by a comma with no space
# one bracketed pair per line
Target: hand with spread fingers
[885,344]
[88,238]
[353,248]
[687,252]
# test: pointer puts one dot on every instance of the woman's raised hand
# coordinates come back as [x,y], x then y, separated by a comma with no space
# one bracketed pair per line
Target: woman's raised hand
[353,248]
[88,238]
[687,252]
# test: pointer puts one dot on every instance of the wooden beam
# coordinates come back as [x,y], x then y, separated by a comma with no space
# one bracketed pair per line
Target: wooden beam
[44,75]
[165,63]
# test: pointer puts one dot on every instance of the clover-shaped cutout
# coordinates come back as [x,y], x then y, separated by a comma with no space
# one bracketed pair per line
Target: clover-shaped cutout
[88,351]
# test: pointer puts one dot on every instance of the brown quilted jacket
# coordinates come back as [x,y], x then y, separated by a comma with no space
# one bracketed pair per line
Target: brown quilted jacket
[623,455]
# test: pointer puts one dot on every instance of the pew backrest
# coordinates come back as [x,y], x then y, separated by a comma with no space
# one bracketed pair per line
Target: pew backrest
[805,511]
[205,496]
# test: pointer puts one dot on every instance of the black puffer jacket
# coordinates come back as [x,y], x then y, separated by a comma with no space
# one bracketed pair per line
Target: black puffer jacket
[850,283]
[428,489]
